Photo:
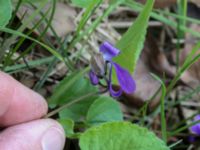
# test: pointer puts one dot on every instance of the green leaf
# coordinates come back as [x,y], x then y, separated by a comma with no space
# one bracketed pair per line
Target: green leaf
[78,111]
[5,12]
[68,126]
[132,41]
[120,136]
[83,3]
[71,87]
[68,90]
[104,109]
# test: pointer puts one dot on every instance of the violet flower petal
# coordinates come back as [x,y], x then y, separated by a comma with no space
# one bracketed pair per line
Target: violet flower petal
[109,51]
[113,92]
[196,128]
[93,78]
[126,81]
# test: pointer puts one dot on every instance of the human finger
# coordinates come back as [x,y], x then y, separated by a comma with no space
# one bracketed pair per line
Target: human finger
[18,103]
[43,134]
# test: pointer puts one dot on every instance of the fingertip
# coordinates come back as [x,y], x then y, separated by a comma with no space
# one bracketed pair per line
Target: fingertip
[19,103]
[43,134]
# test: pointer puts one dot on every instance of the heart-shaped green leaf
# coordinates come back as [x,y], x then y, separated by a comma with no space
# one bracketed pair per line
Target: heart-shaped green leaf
[120,136]
[5,12]
[78,111]
[71,87]
[104,109]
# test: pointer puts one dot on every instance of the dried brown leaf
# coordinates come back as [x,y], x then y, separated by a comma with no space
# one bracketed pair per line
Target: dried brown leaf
[192,75]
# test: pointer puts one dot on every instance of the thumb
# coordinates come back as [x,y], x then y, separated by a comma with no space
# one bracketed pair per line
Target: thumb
[43,134]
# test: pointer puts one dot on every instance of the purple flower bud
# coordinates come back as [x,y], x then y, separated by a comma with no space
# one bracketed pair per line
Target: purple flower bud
[125,79]
[93,78]
[196,128]
[98,64]
[109,51]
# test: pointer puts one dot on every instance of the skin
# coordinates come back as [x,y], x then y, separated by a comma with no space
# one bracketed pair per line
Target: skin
[20,113]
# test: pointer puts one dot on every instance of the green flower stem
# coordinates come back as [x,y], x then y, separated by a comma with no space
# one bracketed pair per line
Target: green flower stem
[50,114]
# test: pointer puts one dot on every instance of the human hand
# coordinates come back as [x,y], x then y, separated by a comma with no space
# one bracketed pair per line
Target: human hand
[20,110]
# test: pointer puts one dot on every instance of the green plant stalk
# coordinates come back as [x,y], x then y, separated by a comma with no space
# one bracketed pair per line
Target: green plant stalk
[144,108]
[44,76]
[31,64]
[8,58]
[93,26]
[187,19]
[67,62]
[183,69]
[190,59]
[182,11]
[33,15]
[186,96]
[56,95]
[91,8]
[52,64]
[180,35]
[188,62]
[34,40]
[143,112]
[162,106]
[50,114]
[137,7]
[44,31]
[192,54]
[176,143]
[183,128]
[88,13]
[10,40]
[13,15]
[184,121]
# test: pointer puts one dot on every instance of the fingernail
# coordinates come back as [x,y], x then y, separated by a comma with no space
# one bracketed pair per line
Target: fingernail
[53,139]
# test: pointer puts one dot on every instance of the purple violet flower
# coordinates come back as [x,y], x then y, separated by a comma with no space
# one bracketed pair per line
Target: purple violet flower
[101,61]
[196,128]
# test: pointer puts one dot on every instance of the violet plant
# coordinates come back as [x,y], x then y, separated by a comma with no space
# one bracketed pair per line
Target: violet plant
[78,104]
[101,117]
[102,66]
